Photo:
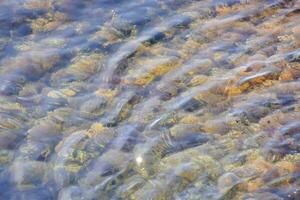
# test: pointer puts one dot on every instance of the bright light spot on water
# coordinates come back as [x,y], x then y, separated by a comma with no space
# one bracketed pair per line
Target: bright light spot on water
[139,160]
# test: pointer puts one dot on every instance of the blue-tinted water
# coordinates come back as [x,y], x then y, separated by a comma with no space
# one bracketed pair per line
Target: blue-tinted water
[149,99]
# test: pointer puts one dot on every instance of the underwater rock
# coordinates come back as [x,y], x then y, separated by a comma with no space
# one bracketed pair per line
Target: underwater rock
[36,150]
[154,68]
[107,164]
[10,122]
[165,120]
[29,173]
[206,165]
[198,80]
[26,67]
[175,173]
[253,170]
[192,105]
[278,118]
[190,119]
[131,185]
[8,139]
[227,182]
[113,32]
[94,106]
[165,185]
[127,137]
[45,131]
[275,149]
[6,157]
[10,88]
[254,80]
[148,156]
[72,157]
[182,130]
[188,171]
[81,68]
[121,109]
[49,23]
[290,129]
[38,5]
[156,190]
[216,126]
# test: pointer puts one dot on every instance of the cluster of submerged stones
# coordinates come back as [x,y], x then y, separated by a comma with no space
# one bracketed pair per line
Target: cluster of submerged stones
[200,104]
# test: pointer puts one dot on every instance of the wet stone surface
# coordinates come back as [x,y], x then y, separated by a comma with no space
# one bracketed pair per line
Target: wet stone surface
[156,99]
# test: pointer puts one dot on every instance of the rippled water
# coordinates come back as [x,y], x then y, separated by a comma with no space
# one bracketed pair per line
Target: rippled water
[149,99]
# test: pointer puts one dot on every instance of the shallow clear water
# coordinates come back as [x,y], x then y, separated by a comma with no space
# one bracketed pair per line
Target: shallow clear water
[149,99]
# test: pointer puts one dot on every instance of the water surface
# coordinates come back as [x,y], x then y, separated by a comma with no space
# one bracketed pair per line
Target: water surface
[149,99]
